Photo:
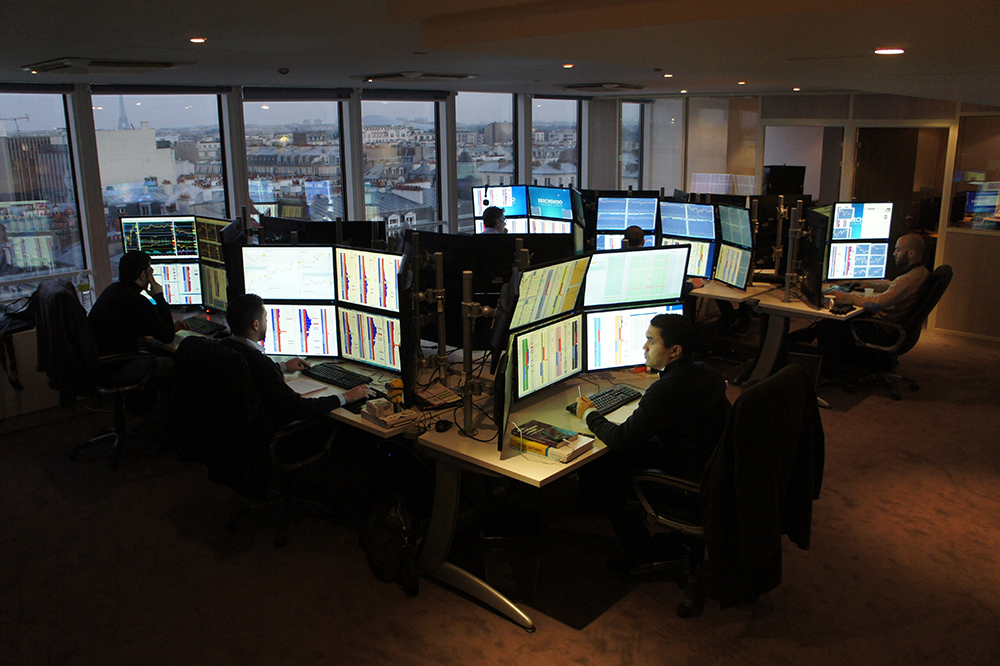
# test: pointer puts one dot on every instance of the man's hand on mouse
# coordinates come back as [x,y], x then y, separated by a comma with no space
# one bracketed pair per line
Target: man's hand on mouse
[362,392]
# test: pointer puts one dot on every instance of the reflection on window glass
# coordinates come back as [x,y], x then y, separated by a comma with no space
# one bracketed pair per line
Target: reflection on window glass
[722,145]
[976,202]
[159,155]
[630,152]
[400,163]
[485,142]
[39,226]
[555,156]
[294,159]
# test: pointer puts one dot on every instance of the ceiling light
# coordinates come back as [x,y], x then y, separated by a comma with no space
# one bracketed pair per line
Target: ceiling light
[264,106]
[741,83]
[568,65]
[796,89]
[885,51]
[34,72]
[668,76]
[198,40]
[683,91]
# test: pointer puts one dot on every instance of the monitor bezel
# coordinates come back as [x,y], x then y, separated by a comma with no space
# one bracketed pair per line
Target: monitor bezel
[333,268]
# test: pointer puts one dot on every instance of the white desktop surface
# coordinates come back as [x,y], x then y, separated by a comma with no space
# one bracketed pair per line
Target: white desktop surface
[772,303]
[722,292]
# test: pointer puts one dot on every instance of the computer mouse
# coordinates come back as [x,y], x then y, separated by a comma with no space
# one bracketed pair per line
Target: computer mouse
[443,425]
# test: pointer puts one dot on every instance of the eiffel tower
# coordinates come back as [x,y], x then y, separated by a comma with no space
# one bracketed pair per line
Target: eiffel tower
[122,118]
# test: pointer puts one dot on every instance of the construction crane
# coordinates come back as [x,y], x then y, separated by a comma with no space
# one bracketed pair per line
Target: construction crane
[17,128]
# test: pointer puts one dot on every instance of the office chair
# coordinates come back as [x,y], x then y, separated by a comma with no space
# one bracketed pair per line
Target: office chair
[898,338]
[758,484]
[67,353]
[220,421]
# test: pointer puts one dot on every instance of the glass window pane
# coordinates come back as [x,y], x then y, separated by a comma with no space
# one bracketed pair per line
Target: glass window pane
[485,146]
[555,154]
[294,159]
[39,227]
[722,145]
[630,151]
[158,155]
[666,161]
[400,163]
[976,200]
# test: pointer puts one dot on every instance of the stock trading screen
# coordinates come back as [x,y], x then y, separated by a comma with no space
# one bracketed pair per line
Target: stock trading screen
[370,338]
[301,330]
[161,237]
[368,278]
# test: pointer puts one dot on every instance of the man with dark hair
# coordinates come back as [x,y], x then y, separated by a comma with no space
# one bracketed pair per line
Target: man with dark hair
[122,316]
[635,237]
[247,319]
[493,221]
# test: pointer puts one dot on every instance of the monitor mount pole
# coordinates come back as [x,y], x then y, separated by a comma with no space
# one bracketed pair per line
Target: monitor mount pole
[471,311]
[435,295]
[791,268]
[779,221]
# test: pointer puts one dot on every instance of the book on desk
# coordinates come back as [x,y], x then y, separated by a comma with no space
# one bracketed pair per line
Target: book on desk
[549,441]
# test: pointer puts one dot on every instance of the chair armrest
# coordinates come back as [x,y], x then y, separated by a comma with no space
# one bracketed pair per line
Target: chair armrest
[658,511]
[898,330]
[135,370]
[297,428]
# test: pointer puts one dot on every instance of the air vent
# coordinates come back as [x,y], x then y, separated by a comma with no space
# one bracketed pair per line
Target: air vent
[412,76]
[89,66]
[603,87]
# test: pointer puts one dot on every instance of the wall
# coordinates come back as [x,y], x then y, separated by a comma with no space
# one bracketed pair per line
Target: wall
[969,305]
[796,146]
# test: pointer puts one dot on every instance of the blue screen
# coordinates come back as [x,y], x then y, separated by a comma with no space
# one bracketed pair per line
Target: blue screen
[735,226]
[687,220]
[513,199]
[550,202]
[620,213]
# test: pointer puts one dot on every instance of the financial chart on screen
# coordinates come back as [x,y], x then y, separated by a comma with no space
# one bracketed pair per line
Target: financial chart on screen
[370,338]
[620,213]
[513,199]
[636,276]
[301,330]
[733,266]
[615,338]
[702,257]
[161,237]
[857,261]
[735,226]
[687,220]
[368,278]
[289,273]
[617,241]
[548,354]
[856,221]
[181,282]
[548,291]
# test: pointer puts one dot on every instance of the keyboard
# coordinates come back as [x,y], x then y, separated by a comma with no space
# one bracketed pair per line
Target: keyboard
[204,326]
[332,373]
[610,399]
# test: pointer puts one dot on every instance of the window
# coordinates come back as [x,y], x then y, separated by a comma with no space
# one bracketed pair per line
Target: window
[976,199]
[294,165]
[39,226]
[722,145]
[555,153]
[485,146]
[630,149]
[158,155]
[400,161]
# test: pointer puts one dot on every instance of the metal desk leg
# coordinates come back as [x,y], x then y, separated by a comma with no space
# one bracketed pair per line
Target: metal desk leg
[774,340]
[437,544]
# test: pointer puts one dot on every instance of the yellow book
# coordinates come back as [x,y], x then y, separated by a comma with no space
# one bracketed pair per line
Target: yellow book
[563,453]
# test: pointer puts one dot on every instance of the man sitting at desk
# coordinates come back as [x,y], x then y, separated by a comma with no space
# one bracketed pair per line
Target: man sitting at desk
[494,221]
[247,319]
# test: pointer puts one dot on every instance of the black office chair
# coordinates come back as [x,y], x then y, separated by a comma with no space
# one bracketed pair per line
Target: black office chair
[881,343]
[220,421]
[759,484]
[67,353]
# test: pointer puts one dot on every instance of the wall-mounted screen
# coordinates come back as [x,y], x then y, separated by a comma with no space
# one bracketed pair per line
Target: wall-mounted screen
[548,291]
[636,276]
[368,278]
[369,338]
[615,338]
[289,273]
[301,330]
[548,354]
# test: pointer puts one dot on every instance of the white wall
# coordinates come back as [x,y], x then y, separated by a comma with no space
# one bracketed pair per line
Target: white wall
[796,146]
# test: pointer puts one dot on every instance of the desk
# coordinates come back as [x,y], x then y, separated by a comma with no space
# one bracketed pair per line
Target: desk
[722,292]
[777,326]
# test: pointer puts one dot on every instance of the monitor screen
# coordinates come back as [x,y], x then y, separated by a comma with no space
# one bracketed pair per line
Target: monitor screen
[550,202]
[548,354]
[301,330]
[368,278]
[618,214]
[512,198]
[857,261]
[548,291]
[856,221]
[208,230]
[735,226]
[701,261]
[181,282]
[369,338]
[687,220]
[615,338]
[537,226]
[635,276]
[289,273]
[213,287]
[161,237]
[617,241]
[514,225]
[733,266]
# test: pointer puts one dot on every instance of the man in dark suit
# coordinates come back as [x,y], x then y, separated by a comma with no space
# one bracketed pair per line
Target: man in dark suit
[247,319]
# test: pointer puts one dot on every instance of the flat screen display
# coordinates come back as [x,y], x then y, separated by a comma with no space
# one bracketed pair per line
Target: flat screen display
[620,213]
[208,230]
[734,223]
[687,220]
[551,202]
[635,276]
[539,226]
[857,261]
[181,282]
[368,278]
[733,266]
[514,225]
[615,338]
[301,330]
[857,221]
[513,199]
[161,237]
[617,241]
[548,354]
[548,292]
[289,273]
[213,286]
[369,338]
[701,261]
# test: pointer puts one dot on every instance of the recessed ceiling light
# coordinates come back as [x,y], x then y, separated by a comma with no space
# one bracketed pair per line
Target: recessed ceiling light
[264,106]
[198,40]
[796,89]
[885,51]
[741,83]
[34,72]
[683,91]
[668,76]
[568,65]
[138,103]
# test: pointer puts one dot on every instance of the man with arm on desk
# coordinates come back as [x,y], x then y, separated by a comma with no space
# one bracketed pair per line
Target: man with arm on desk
[247,319]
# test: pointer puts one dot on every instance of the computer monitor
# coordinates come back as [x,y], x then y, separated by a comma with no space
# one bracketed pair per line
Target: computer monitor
[161,237]
[513,225]
[356,233]
[857,260]
[861,221]
[284,273]
[701,260]
[513,199]
[208,231]
[615,337]
[181,282]
[301,330]
[369,338]
[617,241]
[547,354]
[618,214]
[548,291]
[687,220]
[214,287]
[734,225]
[784,179]
[553,203]
[541,226]
[278,231]
[212,261]
[733,266]
[635,276]
[368,278]
[812,253]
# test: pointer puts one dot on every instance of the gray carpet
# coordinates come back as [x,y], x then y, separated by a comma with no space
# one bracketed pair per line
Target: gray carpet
[133,566]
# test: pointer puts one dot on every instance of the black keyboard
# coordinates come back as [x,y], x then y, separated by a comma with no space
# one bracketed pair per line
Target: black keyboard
[610,399]
[332,373]
[204,326]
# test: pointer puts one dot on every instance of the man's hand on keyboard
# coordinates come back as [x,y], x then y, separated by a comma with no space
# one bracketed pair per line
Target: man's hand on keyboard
[361,392]
[296,365]
[583,403]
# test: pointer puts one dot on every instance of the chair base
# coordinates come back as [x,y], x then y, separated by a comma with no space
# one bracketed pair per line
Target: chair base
[886,379]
